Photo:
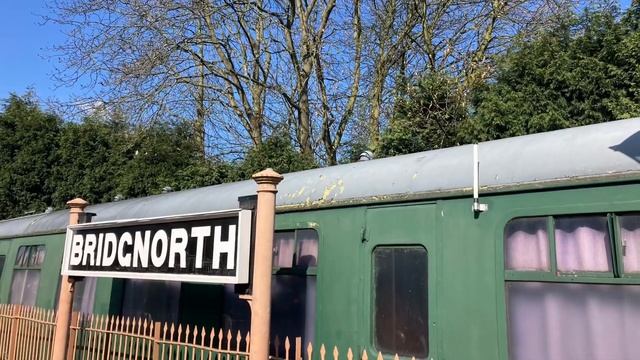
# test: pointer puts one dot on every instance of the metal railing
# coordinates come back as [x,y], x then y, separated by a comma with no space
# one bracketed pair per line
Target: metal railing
[26,333]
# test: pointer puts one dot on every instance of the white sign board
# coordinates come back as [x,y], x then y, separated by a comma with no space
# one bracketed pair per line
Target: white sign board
[206,248]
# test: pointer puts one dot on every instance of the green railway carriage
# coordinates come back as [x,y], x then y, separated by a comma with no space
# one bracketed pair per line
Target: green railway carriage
[388,254]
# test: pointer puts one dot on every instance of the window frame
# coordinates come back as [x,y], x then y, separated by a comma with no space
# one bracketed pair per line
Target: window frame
[617,233]
[601,198]
[27,268]
[615,276]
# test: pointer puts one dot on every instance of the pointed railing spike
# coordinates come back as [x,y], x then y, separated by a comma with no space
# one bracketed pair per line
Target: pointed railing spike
[287,347]
[309,351]
[212,334]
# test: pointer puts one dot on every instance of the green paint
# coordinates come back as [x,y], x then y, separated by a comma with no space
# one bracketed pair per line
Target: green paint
[49,272]
[466,264]
[399,225]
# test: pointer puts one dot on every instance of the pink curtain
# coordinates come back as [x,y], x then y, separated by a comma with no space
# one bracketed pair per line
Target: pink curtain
[630,231]
[308,251]
[527,244]
[582,244]
[556,321]
[285,247]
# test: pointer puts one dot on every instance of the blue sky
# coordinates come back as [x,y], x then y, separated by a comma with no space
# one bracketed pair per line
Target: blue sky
[23,48]
[24,58]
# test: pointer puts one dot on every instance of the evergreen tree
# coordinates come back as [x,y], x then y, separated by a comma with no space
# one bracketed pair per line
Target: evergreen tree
[582,73]
[28,149]
[275,152]
[425,117]
[91,159]
[164,155]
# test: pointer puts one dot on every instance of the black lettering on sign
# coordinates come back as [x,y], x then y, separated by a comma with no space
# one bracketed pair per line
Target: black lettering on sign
[198,249]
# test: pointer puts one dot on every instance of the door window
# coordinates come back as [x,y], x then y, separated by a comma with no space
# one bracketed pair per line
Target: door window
[401,319]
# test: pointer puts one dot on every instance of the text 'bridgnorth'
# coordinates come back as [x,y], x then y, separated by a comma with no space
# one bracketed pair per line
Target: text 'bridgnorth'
[159,248]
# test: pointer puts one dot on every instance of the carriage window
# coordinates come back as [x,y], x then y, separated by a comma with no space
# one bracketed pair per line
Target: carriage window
[400,295]
[582,308]
[527,244]
[151,299]
[558,321]
[2,259]
[293,286]
[84,295]
[284,245]
[295,249]
[26,274]
[630,233]
[583,244]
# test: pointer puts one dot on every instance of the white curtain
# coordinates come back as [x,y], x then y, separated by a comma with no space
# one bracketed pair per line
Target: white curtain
[560,321]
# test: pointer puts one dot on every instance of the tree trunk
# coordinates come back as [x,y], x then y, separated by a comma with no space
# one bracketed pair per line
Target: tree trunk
[256,129]
[304,124]
[201,114]
[377,87]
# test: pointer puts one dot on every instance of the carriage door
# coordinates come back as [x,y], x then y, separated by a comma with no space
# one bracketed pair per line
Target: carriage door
[399,243]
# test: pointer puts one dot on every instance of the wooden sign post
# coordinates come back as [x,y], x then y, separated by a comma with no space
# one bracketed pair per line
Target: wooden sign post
[65,301]
[267,181]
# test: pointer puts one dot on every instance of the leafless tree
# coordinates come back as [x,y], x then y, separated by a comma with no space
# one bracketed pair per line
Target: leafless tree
[164,59]
[391,25]
[460,38]
[240,68]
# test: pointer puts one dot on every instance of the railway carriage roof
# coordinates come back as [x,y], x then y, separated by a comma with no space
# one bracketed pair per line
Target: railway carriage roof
[602,152]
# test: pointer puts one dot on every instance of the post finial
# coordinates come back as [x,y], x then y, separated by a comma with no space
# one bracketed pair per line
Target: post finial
[267,176]
[77,204]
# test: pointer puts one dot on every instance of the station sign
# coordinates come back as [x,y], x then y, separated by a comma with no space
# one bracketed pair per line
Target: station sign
[206,248]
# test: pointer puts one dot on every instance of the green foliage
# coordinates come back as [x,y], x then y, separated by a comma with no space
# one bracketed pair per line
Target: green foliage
[167,156]
[100,160]
[426,118]
[582,73]
[27,156]
[275,152]
[91,157]
[44,162]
